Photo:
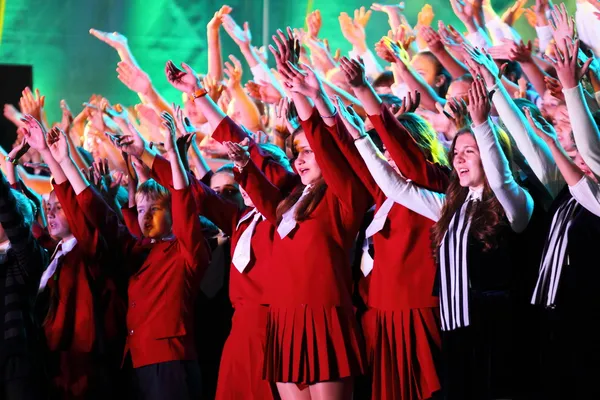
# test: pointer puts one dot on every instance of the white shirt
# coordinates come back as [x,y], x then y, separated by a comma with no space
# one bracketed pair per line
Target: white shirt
[62,249]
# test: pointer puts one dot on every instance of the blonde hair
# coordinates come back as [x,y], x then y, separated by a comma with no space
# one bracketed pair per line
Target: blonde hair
[154,191]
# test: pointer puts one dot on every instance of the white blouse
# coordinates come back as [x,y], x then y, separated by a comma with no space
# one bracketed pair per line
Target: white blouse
[587,193]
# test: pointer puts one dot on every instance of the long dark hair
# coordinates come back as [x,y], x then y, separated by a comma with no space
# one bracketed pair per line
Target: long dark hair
[488,217]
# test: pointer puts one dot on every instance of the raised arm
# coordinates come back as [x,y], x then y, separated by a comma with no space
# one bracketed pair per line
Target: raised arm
[536,152]
[425,202]
[186,222]
[516,201]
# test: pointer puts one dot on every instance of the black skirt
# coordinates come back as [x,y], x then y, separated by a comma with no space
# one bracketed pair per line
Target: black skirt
[478,359]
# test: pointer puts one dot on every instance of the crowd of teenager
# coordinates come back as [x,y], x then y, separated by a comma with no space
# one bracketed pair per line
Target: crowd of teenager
[416,220]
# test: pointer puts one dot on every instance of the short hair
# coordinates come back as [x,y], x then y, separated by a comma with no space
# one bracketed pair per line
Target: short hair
[25,206]
[154,191]
[385,79]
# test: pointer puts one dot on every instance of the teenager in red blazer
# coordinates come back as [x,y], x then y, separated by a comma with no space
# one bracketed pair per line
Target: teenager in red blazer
[83,315]
[402,327]
[165,271]
[240,372]
[314,346]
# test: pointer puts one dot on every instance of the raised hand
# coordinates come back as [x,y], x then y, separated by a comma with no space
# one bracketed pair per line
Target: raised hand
[458,115]
[32,104]
[58,145]
[288,48]
[509,50]
[353,123]
[263,91]
[102,175]
[34,132]
[465,11]
[131,142]
[237,152]
[183,124]
[354,70]
[546,132]
[304,81]
[241,37]
[432,39]
[402,35]
[233,72]
[483,64]
[133,77]
[554,87]
[514,12]
[19,150]
[353,29]
[186,81]
[425,16]
[217,19]
[479,103]
[314,23]
[170,132]
[563,26]
[410,103]
[451,38]
[12,114]
[567,64]
[115,40]
[67,118]
[286,116]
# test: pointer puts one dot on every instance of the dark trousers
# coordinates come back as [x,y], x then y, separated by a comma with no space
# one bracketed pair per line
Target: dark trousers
[169,380]
[21,380]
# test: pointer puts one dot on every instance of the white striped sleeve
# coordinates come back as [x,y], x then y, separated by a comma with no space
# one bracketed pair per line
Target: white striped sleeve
[425,202]
[585,131]
[535,150]
[544,33]
[587,193]
[516,201]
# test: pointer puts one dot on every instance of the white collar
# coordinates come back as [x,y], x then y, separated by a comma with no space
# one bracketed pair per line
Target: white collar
[67,246]
[475,194]
[246,217]
[4,246]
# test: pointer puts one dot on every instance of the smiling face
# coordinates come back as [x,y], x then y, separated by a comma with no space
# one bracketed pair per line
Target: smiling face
[58,225]
[467,162]
[305,163]
[154,217]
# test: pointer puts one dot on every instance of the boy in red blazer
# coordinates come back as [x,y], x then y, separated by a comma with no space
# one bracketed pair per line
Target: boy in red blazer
[166,267]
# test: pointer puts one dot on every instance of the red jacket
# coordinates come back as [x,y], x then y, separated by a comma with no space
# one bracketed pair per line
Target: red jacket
[69,325]
[164,278]
[404,270]
[311,265]
[247,287]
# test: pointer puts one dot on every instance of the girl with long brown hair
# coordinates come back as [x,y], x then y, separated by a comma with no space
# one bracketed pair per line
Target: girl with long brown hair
[475,240]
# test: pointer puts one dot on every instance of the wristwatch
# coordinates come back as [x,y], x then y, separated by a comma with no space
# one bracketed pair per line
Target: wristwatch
[198,93]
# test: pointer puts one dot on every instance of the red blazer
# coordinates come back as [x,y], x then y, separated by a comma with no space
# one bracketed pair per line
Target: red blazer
[404,270]
[70,324]
[228,130]
[247,287]
[164,278]
[311,265]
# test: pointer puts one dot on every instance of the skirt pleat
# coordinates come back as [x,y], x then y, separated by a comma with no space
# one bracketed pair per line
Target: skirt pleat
[308,344]
[403,348]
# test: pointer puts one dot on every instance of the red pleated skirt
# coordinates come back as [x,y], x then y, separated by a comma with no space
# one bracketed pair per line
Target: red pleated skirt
[309,344]
[241,369]
[403,350]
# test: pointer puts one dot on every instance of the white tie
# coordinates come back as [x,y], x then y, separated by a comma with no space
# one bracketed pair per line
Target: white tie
[288,220]
[61,250]
[366,262]
[243,248]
